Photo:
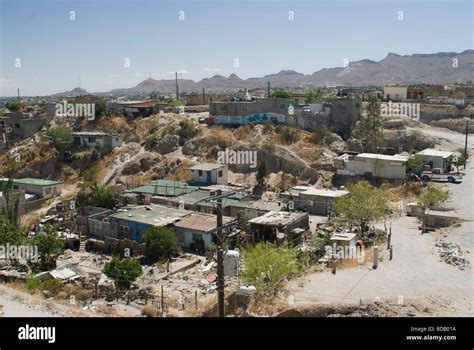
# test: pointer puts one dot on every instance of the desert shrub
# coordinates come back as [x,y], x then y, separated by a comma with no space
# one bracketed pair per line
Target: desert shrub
[32,283]
[149,311]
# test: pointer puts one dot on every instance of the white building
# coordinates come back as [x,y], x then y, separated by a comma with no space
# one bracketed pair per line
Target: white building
[437,158]
[395,93]
[210,174]
[372,165]
[97,139]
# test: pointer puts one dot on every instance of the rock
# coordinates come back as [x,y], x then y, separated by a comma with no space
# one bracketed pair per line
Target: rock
[131,168]
[165,145]
[148,162]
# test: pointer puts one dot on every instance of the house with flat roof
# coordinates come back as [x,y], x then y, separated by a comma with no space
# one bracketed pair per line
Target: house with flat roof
[210,173]
[437,158]
[318,201]
[133,223]
[39,187]
[97,139]
[17,126]
[372,165]
[278,226]
[196,231]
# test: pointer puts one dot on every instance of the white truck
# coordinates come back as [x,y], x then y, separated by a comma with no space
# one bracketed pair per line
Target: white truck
[437,174]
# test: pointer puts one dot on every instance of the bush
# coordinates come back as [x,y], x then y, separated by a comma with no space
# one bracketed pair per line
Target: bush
[32,283]
[188,129]
[60,136]
[288,134]
[53,285]
[432,196]
[149,311]
[319,134]
[160,242]
[123,272]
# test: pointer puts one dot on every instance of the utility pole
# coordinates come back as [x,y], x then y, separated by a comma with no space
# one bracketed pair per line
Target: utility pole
[220,258]
[217,198]
[268,89]
[203,97]
[177,89]
[19,97]
[465,143]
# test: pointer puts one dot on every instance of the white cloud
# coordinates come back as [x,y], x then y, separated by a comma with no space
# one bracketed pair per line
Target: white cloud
[182,71]
[209,69]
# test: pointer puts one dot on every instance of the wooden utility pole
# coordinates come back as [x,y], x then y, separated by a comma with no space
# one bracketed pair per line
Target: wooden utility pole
[162,301]
[268,90]
[18,90]
[465,143]
[203,97]
[220,257]
[177,89]
[217,198]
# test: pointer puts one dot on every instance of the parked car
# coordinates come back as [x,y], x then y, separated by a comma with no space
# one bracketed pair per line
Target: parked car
[438,174]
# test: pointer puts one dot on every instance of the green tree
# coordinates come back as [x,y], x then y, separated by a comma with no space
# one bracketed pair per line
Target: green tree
[160,242]
[313,96]
[281,94]
[363,205]
[415,164]
[267,265]
[462,157]
[432,196]
[9,233]
[123,271]
[14,106]
[262,174]
[370,127]
[50,246]
[11,204]
[60,136]
[100,108]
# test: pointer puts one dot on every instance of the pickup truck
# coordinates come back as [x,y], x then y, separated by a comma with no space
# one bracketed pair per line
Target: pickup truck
[438,174]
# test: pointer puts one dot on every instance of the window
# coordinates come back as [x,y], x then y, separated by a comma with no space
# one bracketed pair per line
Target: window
[219,173]
[17,126]
[48,190]
[91,139]
[200,172]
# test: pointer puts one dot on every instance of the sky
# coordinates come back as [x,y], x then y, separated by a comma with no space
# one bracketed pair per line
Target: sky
[50,46]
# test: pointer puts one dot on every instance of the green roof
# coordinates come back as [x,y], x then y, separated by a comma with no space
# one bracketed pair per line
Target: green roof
[166,188]
[36,182]
[154,215]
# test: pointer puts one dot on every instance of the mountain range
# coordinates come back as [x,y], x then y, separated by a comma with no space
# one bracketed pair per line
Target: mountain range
[437,68]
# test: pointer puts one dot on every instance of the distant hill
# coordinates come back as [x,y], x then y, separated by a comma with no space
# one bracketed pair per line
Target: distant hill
[73,93]
[437,68]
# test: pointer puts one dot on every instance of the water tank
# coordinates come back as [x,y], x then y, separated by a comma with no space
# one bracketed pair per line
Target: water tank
[231,263]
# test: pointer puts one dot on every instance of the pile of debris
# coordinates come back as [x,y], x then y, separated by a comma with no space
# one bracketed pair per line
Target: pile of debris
[452,254]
